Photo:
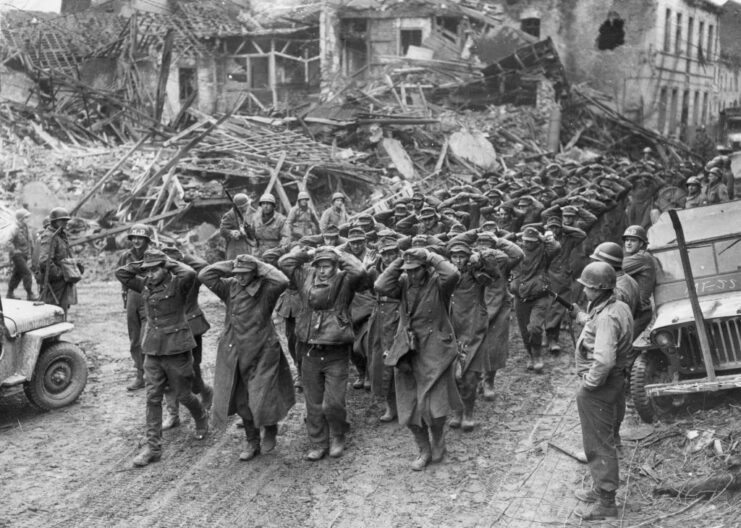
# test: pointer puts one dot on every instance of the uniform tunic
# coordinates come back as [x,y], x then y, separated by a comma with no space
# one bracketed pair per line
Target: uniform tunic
[428,390]
[248,348]
[602,353]
[269,232]
[55,248]
[229,224]
[301,223]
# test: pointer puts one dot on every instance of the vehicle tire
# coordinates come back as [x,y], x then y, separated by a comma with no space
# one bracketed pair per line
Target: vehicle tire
[59,377]
[649,368]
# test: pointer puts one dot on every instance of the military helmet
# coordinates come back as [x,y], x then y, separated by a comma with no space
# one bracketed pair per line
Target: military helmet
[609,252]
[59,213]
[241,200]
[693,180]
[338,196]
[140,230]
[598,275]
[636,231]
[267,198]
[303,195]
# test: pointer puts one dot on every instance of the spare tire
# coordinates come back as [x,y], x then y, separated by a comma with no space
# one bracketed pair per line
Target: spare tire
[59,377]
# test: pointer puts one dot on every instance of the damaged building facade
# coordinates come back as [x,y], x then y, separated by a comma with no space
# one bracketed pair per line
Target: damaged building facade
[660,60]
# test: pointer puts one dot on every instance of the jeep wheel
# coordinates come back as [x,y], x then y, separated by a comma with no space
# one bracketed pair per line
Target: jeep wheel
[59,377]
[649,368]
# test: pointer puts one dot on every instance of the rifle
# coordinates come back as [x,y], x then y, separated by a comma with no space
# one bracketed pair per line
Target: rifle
[569,308]
[247,238]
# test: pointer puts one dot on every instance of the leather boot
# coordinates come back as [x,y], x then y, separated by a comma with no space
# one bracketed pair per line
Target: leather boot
[316,454]
[468,423]
[589,496]
[202,427]
[437,432]
[489,394]
[553,346]
[269,438]
[389,414]
[456,419]
[337,446]
[537,359]
[250,449]
[172,419]
[146,456]
[604,509]
[529,360]
[207,397]
[422,439]
[138,382]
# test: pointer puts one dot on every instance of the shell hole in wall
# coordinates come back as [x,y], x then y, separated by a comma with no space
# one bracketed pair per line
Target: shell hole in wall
[611,32]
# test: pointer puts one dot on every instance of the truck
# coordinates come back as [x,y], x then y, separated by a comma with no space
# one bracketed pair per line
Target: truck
[729,129]
[694,343]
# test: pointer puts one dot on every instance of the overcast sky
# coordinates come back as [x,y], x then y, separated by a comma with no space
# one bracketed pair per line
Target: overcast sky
[32,5]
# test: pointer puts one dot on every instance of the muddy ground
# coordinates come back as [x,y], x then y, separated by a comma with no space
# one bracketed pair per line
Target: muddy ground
[72,467]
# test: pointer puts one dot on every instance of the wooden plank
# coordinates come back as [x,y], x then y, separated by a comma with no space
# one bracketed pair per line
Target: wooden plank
[276,171]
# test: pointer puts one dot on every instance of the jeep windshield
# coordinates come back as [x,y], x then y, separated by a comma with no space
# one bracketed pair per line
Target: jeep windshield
[713,236]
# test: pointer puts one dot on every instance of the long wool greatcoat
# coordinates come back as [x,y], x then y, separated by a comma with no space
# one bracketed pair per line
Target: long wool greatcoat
[429,390]
[382,326]
[468,311]
[249,346]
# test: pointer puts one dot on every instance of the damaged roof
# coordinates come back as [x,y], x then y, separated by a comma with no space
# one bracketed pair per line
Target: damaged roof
[49,41]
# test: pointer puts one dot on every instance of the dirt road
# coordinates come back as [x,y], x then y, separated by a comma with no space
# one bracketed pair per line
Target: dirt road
[72,467]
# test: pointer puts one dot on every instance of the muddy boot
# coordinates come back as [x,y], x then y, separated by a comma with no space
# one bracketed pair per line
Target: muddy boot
[553,347]
[604,509]
[456,419]
[172,419]
[389,414]
[468,423]
[251,446]
[437,431]
[529,360]
[207,398]
[488,384]
[30,296]
[269,438]
[367,383]
[358,383]
[337,446]
[422,439]
[537,355]
[146,456]
[10,295]
[138,382]
[589,496]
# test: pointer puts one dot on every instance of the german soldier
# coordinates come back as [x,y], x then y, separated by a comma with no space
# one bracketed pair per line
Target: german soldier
[252,376]
[424,350]
[167,342]
[531,300]
[324,337]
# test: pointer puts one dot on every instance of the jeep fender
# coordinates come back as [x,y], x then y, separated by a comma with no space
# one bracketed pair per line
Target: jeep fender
[32,342]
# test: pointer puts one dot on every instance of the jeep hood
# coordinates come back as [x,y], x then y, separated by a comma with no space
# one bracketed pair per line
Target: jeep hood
[23,316]
[713,307]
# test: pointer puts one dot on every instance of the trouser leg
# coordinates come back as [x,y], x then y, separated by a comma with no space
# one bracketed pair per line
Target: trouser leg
[197,354]
[312,375]
[242,403]
[334,405]
[179,368]
[20,272]
[291,339]
[641,321]
[155,379]
[134,322]
[522,312]
[597,411]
